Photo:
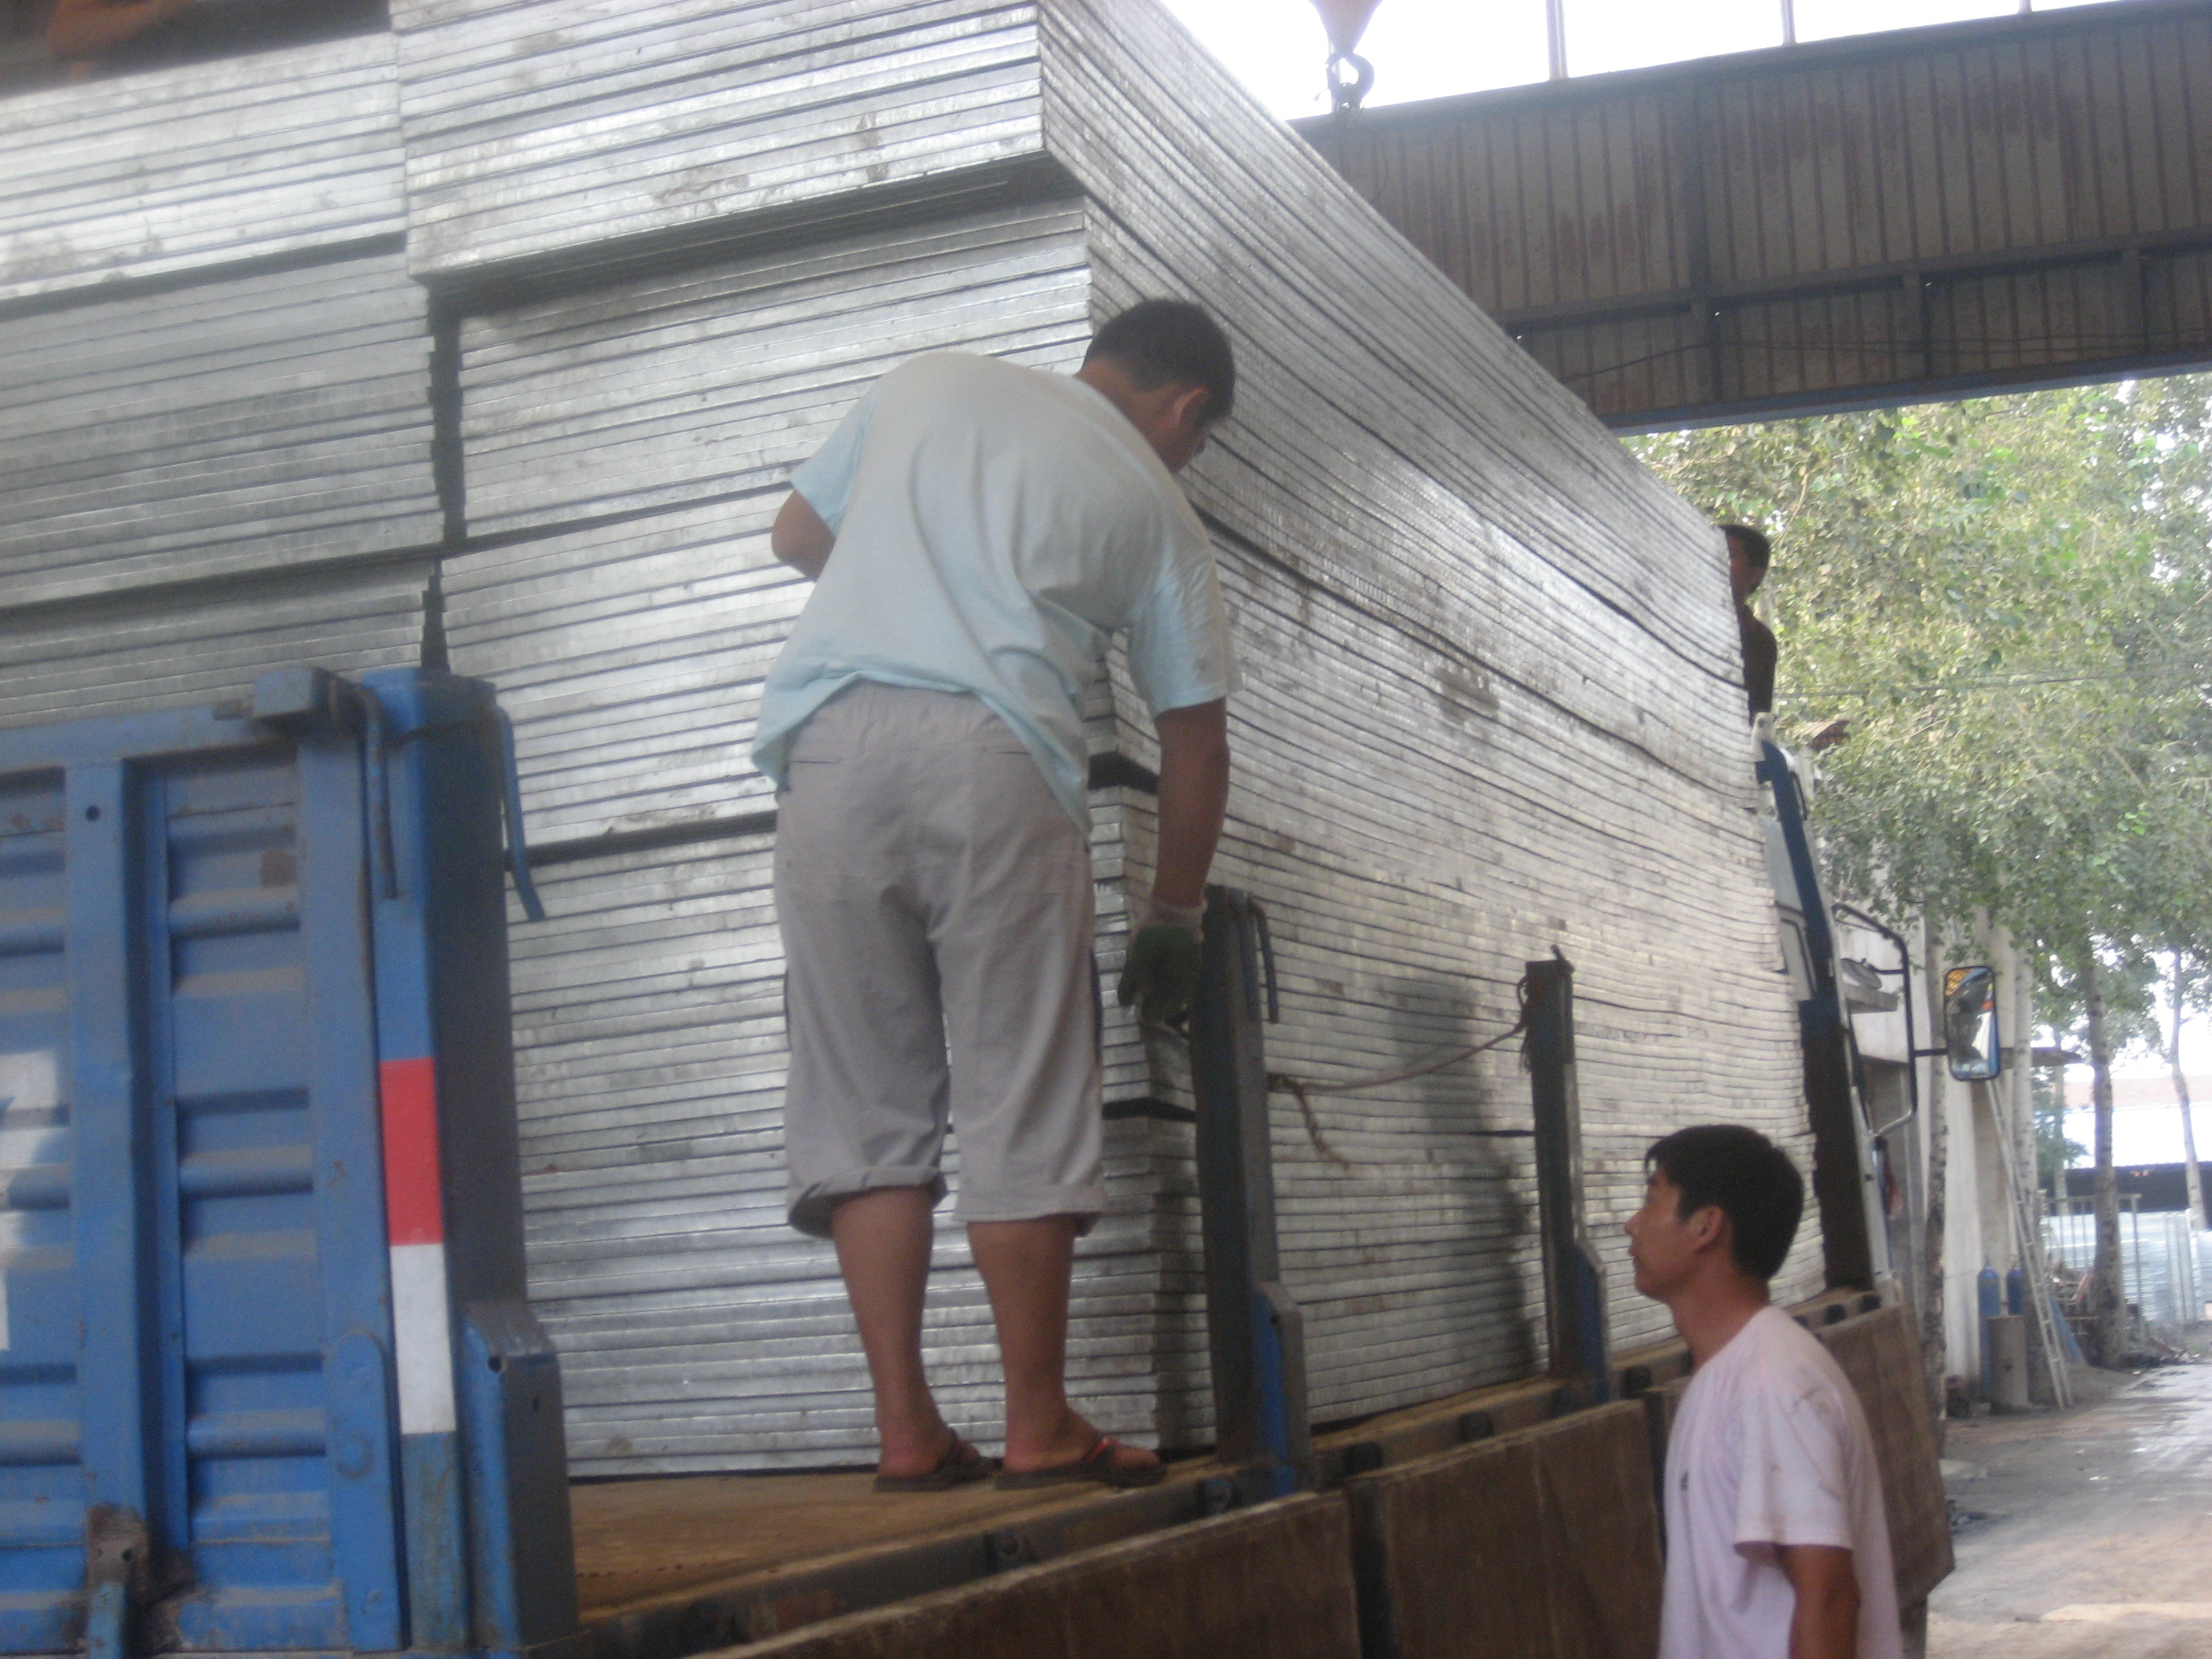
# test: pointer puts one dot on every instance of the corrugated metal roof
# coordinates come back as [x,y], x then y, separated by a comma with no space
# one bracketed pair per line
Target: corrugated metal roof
[1929,208]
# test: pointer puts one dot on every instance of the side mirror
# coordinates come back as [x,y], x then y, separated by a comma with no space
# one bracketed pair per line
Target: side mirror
[1970,1024]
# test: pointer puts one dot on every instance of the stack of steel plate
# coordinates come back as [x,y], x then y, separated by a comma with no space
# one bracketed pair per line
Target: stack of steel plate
[627,445]
[1491,701]
[183,173]
[222,429]
[558,131]
[1490,708]
[216,431]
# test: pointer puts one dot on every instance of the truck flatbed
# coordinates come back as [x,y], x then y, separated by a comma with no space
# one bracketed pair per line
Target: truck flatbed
[675,1564]
[680,1564]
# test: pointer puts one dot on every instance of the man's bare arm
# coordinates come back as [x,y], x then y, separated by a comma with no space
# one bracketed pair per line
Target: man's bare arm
[1194,793]
[1825,1625]
[799,538]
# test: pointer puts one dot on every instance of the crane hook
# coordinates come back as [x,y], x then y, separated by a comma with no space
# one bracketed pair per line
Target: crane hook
[1345,93]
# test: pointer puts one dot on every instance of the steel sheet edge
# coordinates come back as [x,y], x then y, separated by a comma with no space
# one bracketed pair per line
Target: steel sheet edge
[267,1380]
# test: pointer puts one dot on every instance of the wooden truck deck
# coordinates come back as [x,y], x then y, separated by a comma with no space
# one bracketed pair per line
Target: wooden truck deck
[685,1563]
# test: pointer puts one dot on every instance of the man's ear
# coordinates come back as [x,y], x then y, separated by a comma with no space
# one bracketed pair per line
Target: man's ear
[1189,404]
[1709,1228]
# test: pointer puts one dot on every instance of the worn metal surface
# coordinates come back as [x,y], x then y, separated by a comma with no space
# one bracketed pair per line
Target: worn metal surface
[1455,619]
[139,650]
[1275,1580]
[235,426]
[157,176]
[560,130]
[631,657]
[1880,1353]
[1406,837]
[1560,1517]
[715,382]
[194,1320]
[2019,201]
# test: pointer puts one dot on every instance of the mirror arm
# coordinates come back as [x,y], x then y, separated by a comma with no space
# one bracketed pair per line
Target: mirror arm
[1904,970]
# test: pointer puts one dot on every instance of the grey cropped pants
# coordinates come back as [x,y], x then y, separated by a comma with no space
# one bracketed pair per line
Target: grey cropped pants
[936,909]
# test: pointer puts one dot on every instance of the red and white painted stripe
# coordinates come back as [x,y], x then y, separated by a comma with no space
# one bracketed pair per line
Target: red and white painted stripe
[415,1217]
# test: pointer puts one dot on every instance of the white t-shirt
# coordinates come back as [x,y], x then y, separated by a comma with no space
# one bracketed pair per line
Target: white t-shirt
[1768,1448]
[996,527]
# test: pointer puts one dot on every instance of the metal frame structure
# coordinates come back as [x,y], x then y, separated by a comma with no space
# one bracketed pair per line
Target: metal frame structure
[1843,1181]
[2003,204]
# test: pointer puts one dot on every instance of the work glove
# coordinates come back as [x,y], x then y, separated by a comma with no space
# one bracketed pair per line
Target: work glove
[1161,973]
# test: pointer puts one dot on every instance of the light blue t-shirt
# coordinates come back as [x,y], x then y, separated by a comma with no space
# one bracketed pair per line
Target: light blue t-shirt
[996,527]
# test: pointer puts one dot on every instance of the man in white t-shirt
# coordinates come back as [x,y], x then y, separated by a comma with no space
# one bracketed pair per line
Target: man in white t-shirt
[1777,1547]
[978,534]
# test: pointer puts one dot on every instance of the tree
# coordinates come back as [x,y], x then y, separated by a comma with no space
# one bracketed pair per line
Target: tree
[2054,1152]
[2103,1000]
[2009,600]
[2177,1001]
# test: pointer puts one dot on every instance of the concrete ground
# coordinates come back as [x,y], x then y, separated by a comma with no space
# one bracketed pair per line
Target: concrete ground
[2095,1540]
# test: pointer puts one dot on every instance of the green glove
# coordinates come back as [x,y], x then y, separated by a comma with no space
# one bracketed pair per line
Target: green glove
[1161,973]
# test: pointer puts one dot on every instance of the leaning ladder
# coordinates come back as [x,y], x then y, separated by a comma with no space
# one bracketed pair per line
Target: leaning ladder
[2029,1237]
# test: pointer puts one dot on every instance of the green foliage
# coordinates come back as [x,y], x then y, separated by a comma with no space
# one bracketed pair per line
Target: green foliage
[2010,599]
[2054,1151]
[2129,979]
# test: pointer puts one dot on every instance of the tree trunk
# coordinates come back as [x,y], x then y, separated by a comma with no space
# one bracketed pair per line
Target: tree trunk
[2190,1172]
[2107,1301]
[2018,1094]
[1934,1349]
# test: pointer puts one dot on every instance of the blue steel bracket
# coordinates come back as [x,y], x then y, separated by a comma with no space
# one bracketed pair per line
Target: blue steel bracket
[364,1478]
[518,850]
[1774,771]
[520,1550]
[478,696]
[483,1473]
[1841,1182]
[1279,1328]
[1257,1334]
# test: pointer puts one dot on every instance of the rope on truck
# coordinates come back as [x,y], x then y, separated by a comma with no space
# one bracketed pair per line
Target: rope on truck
[1301,1089]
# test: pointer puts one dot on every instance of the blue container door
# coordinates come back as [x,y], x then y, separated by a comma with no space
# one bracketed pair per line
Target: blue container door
[208,1193]
[42,1487]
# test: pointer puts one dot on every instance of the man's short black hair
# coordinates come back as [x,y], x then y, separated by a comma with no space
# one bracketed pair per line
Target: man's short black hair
[1177,340]
[1751,1178]
[1758,551]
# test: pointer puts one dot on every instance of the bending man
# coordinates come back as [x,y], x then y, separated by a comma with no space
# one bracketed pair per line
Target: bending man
[978,533]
